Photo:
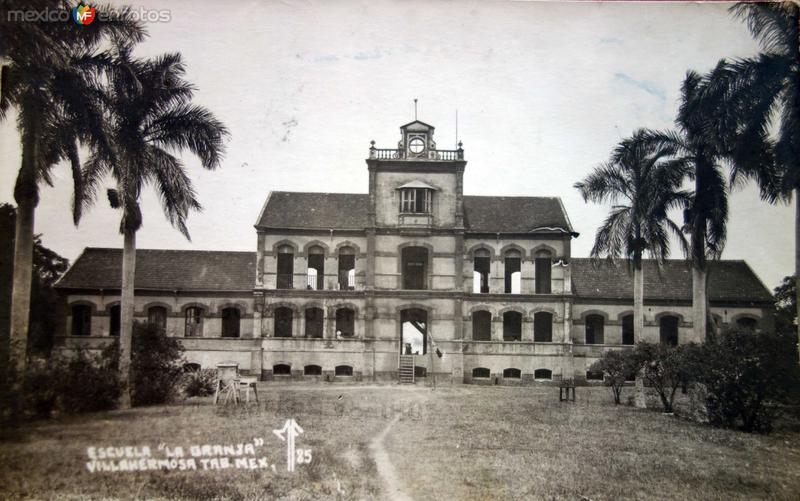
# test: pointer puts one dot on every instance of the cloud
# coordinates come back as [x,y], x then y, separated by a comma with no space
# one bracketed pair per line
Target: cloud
[649,87]
[610,41]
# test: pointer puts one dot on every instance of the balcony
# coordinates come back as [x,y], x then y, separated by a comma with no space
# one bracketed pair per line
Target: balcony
[397,154]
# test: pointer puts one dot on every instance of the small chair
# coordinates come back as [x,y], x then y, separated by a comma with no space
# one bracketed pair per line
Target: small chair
[247,384]
[564,388]
[227,382]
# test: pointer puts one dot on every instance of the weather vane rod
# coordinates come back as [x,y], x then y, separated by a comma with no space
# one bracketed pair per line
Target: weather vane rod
[415,108]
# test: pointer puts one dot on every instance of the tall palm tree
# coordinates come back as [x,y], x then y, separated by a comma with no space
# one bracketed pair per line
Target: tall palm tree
[759,100]
[642,183]
[150,117]
[50,79]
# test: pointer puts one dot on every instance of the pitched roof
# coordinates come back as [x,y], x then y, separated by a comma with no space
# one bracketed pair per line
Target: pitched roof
[728,281]
[98,268]
[349,211]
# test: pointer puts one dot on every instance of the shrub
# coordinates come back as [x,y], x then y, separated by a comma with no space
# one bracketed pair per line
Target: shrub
[199,383]
[618,366]
[744,374]
[665,368]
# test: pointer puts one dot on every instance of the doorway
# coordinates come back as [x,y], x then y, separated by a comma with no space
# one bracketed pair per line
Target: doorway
[413,332]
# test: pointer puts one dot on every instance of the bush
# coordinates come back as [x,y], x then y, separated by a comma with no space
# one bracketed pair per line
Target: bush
[199,383]
[618,366]
[155,365]
[745,374]
[665,368]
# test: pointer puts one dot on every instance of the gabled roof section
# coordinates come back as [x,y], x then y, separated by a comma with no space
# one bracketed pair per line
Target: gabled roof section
[168,270]
[417,184]
[417,126]
[728,281]
[314,211]
[515,214]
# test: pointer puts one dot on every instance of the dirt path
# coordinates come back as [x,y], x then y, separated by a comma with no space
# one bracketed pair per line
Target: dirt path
[392,485]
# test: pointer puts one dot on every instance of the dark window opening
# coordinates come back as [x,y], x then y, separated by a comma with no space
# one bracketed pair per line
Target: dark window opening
[542,272]
[512,326]
[347,268]
[627,329]
[282,370]
[668,330]
[157,316]
[420,371]
[191,367]
[748,323]
[193,322]
[543,327]
[594,375]
[481,372]
[81,320]
[416,200]
[283,321]
[415,263]
[481,326]
[542,374]
[482,269]
[343,370]
[345,322]
[594,329]
[513,273]
[285,267]
[312,370]
[414,331]
[512,373]
[230,322]
[315,319]
[316,268]
[115,320]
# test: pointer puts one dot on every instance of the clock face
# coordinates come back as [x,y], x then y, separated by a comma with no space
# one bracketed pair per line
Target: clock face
[416,145]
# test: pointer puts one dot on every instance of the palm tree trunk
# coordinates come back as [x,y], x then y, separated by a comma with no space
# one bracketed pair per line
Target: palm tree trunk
[638,297]
[21,292]
[126,316]
[699,303]
[797,259]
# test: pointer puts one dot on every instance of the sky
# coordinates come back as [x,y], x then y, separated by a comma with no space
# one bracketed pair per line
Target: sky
[543,91]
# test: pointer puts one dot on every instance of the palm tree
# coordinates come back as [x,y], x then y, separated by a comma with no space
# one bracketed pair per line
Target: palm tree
[758,99]
[150,117]
[50,79]
[642,184]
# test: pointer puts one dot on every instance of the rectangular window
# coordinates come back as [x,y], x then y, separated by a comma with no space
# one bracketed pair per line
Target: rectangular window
[543,270]
[482,269]
[416,201]
[513,275]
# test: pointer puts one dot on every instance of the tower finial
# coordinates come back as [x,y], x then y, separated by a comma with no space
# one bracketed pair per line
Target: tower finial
[415,108]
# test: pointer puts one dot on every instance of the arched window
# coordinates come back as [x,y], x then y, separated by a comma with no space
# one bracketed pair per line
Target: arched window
[481,372]
[345,322]
[668,330]
[415,264]
[81,320]
[543,327]
[542,271]
[627,329]
[482,265]
[193,322]
[748,323]
[481,326]
[115,320]
[347,268]
[594,329]
[314,322]
[312,370]
[512,326]
[230,322]
[316,268]
[343,370]
[282,370]
[285,267]
[414,331]
[283,322]
[512,373]
[542,374]
[157,316]
[513,274]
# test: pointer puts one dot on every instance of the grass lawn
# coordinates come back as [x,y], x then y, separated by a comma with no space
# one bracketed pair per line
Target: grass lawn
[463,442]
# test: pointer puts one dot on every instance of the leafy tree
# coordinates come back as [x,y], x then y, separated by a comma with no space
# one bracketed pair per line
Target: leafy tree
[50,79]
[150,118]
[642,185]
[666,368]
[786,305]
[745,373]
[618,367]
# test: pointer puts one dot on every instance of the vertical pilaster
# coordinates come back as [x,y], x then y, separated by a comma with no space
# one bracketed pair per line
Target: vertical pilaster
[260,260]
[258,309]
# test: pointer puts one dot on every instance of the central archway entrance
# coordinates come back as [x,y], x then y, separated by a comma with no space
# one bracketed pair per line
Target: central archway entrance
[413,332]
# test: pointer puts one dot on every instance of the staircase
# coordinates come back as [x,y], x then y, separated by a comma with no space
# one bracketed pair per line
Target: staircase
[406,369]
